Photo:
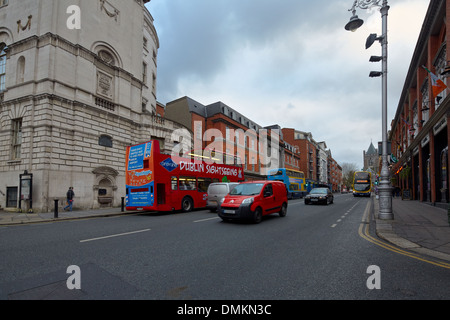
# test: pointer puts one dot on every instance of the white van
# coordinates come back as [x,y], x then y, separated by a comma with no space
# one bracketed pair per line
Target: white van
[216,192]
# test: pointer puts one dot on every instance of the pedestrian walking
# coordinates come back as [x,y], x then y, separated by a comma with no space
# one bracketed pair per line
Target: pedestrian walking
[69,196]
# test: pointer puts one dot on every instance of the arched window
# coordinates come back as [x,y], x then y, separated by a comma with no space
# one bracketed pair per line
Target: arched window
[107,54]
[107,57]
[2,67]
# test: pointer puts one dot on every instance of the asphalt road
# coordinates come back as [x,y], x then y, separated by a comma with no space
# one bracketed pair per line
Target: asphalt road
[315,252]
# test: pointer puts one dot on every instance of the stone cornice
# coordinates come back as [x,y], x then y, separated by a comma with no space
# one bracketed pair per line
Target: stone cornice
[75,49]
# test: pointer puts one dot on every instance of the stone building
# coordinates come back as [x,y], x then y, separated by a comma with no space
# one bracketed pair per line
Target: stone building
[371,159]
[77,85]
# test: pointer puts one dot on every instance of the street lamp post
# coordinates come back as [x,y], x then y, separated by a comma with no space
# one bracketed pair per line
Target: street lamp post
[384,189]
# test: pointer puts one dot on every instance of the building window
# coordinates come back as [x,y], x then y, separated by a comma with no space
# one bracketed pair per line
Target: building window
[441,64]
[2,68]
[16,139]
[3,3]
[107,57]
[105,141]
[11,197]
[144,72]
[145,43]
[425,101]
[154,84]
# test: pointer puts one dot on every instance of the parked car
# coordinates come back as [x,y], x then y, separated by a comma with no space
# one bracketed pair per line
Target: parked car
[253,200]
[216,192]
[320,195]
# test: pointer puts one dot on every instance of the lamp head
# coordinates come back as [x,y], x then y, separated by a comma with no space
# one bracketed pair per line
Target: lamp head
[372,38]
[375,74]
[354,24]
[375,59]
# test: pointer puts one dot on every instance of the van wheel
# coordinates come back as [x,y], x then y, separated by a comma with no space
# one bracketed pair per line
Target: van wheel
[283,210]
[257,218]
[186,205]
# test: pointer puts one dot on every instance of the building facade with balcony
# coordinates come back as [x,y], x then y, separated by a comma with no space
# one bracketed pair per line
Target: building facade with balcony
[419,132]
[77,85]
[335,178]
[316,160]
[307,147]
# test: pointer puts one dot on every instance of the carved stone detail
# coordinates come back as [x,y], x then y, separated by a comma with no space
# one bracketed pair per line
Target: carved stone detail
[105,85]
[106,57]
[20,27]
[110,10]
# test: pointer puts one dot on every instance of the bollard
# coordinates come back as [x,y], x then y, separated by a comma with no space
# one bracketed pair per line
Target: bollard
[56,208]
[123,204]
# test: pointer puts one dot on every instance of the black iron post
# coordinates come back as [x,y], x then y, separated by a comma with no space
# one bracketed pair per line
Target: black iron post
[56,208]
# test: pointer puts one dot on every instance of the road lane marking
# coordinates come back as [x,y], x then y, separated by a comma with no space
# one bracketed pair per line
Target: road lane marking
[115,236]
[206,220]
[345,215]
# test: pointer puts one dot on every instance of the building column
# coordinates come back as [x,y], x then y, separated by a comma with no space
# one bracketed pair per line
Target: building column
[448,141]
[432,169]
[421,184]
[413,176]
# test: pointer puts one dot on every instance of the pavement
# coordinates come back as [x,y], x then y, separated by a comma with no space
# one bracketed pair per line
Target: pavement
[14,218]
[417,226]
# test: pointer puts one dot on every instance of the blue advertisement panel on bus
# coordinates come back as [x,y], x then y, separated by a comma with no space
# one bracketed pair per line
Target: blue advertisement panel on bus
[140,177]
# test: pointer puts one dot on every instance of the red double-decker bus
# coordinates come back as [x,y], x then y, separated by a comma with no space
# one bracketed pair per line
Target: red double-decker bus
[161,182]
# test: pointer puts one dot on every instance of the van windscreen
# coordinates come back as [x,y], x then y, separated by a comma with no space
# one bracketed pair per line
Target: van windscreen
[247,189]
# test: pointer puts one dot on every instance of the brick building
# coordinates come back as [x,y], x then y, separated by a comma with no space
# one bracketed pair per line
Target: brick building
[307,147]
[335,178]
[419,132]
[229,131]
[315,160]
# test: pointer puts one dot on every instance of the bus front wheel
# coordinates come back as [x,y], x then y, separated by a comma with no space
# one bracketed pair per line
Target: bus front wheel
[187,205]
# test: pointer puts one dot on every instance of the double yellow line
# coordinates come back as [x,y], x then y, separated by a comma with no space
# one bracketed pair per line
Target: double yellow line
[364,233]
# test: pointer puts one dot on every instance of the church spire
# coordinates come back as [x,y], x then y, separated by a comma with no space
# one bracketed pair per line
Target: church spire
[371,149]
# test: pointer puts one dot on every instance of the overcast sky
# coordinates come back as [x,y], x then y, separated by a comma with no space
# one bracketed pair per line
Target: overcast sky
[287,62]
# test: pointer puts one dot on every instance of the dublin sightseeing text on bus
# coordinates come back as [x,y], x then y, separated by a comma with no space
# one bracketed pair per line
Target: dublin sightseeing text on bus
[179,180]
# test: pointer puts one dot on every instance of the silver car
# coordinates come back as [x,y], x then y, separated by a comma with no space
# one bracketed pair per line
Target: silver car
[216,192]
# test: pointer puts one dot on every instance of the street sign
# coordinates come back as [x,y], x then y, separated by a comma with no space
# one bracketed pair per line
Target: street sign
[393,158]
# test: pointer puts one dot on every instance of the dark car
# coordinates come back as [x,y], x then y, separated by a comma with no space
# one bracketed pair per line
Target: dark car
[319,195]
